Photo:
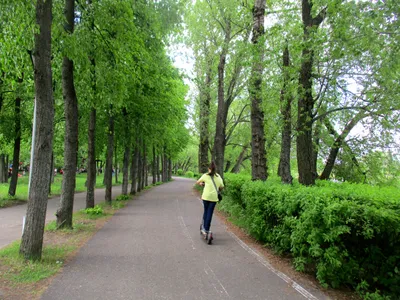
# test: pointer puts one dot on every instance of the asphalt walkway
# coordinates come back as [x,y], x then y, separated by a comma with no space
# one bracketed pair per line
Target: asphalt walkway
[152,249]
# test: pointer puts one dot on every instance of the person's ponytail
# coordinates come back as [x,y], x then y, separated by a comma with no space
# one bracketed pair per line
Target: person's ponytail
[212,168]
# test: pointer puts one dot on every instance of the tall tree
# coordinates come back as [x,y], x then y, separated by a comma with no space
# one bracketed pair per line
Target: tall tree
[258,153]
[306,100]
[32,238]
[286,109]
[64,213]
[109,160]
[91,161]
[127,154]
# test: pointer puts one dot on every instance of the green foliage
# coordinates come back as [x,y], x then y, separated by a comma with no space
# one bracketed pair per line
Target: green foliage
[347,234]
[189,174]
[122,198]
[93,212]
[179,172]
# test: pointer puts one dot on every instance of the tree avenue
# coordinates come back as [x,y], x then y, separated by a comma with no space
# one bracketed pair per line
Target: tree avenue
[116,98]
[307,90]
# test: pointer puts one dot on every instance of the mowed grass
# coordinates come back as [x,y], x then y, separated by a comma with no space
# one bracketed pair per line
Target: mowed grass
[22,188]
[22,271]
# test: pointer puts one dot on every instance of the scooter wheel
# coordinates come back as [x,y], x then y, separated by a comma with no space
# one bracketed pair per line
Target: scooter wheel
[210,238]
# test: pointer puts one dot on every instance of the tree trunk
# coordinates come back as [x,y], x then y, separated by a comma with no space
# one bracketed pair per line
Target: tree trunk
[316,142]
[17,146]
[116,161]
[109,160]
[158,168]
[134,169]
[169,169]
[286,110]
[154,166]
[125,178]
[305,100]
[91,166]
[145,177]
[139,173]
[64,213]
[3,169]
[32,238]
[240,159]
[330,162]
[205,100]
[164,167]
[222,111]
[258,157]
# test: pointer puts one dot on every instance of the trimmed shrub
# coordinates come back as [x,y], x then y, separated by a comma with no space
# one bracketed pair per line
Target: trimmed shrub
[179,172]
[347,234]
[189,174]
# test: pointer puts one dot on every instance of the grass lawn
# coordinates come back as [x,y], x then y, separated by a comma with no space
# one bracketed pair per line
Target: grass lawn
[22,188]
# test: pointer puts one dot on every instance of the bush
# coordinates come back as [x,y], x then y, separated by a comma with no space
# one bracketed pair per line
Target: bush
[347,234]
[95,211]
[179,172]
[122,198]
[189,174]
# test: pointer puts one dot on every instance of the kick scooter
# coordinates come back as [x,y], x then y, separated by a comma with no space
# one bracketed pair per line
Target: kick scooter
[207,236]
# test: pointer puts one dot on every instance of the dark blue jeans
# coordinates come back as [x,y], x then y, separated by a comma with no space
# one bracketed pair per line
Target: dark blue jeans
[208,213]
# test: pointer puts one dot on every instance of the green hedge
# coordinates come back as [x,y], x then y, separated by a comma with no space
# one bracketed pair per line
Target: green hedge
[347,234]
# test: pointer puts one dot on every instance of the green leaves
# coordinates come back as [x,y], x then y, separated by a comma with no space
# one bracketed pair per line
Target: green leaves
[345,233]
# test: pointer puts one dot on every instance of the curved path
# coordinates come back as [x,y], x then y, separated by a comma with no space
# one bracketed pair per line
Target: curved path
[152,249]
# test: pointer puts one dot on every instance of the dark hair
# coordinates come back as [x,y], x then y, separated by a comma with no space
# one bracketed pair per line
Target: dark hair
[212,168]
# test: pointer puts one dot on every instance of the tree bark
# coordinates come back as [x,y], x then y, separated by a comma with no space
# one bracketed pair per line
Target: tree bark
[145,169]
[316,142]
[222,111]
[116,160]
[3,169]
[169,169]
[258,153]
[109,160]
[64,213]
[205,100]
[286,107]
[154,166]
[306,101]
[240,159]
[158,168]
[32,238]
[91,166]
[134,169]
[125,171]
[139,166]
[17,146]
[337,144]
[127,154]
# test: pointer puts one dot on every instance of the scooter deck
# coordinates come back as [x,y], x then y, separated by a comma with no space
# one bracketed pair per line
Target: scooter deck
[207,236]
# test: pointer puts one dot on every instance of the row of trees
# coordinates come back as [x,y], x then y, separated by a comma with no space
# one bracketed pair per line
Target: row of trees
[304,74]
[103,86]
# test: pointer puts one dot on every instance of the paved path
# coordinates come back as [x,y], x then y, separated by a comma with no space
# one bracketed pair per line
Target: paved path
[152,249]
[11,217]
